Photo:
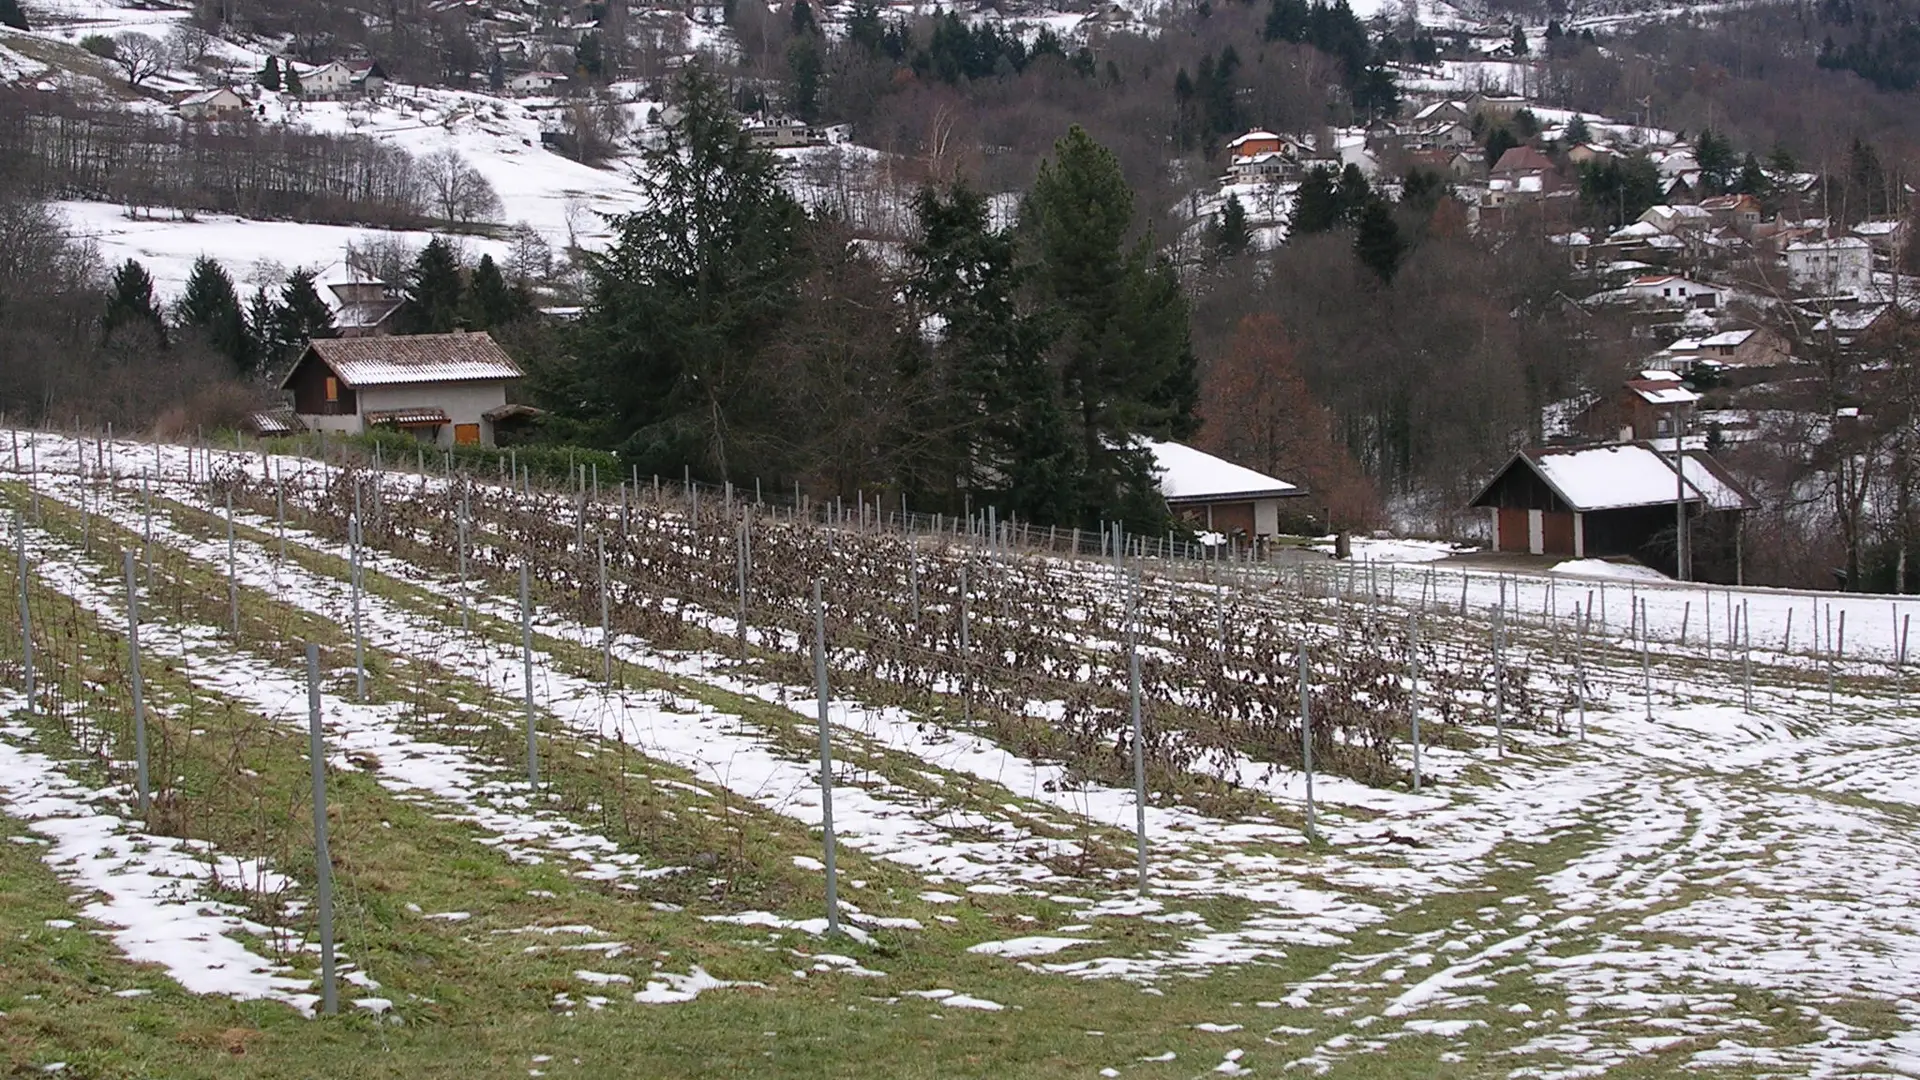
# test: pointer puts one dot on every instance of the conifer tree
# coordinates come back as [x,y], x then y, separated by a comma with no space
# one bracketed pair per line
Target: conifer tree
[435,292]
[270,75]
[293,82]
[1576,131]
[11,15]
[1232,236]
[1714,154]
[211,307]
[490,300]
[303,316]
[987,416]
[1498,143]
[1316,203]
[665,359]
[130,302]
[1753,179]
[1376,240]
[1124,356]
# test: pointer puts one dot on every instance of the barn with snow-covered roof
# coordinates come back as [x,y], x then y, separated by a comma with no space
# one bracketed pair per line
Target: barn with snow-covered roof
[1599,501]
[1216,495]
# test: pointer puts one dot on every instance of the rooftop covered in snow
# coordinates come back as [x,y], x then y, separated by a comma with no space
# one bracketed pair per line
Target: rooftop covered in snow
[1623,476]
[1190,476]
[414,358]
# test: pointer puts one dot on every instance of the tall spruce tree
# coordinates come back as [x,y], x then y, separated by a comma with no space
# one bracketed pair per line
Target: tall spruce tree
[435,293]
[303,315]
[985,418]
[1232,236]
[1316,203]
[490,300]
[211,308]
[666,357]
[11,15]
[270,75]
[130,302]
[1123,354]
[1376,240]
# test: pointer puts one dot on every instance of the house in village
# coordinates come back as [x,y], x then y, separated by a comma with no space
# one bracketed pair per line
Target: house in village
[222,103]
[339,79]
[1674,220]
[1742,212]
[1841,266]
[1624,499]
[447,389]
[361,304]
[1441,112]
[1751,347]
[531,83]
[785,133]
[1495,107]
[1589,154]
[1215,495]
[1668,291]
[1652,405]
[1523,174]
[1887,237]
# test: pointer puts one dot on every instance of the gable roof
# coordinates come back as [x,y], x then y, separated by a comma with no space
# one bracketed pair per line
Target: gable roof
[1189,475]
[1627,475]
[414,358]
[1523,159]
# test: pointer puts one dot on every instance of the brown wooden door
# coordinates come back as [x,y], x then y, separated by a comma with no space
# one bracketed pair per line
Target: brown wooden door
[1513,530]
[466,434]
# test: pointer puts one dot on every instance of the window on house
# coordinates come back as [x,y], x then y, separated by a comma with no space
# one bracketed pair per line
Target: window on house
[333,389]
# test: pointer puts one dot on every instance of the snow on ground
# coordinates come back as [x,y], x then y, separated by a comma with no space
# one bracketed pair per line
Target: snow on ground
[1612,571]
[151,891]
[167,247]
[1653,890]
[1368,549]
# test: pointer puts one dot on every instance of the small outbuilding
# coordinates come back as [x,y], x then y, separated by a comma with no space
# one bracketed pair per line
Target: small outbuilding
[1599,501]
[446,389]
[1216,495]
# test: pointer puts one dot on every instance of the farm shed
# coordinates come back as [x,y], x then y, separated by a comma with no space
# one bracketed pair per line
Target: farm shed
[1215,494]
[446,389]
[1598,501]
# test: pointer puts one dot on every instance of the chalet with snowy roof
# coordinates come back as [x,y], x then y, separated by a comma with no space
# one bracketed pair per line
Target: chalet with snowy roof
[1619,500]
[362,305]
[1495,106]
[1590,154]
[223,103]
[1215,495]
[447,389]
[1846,326]
[1441,111]
[536,82]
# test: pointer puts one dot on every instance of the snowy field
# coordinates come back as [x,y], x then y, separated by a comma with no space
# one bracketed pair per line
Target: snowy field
[1710,886]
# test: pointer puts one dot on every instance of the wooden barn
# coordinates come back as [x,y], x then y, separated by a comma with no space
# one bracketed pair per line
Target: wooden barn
[1600,501]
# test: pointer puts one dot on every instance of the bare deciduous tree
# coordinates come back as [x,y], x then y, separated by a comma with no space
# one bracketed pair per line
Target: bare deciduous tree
[138,55]
[187,44]
[460,194]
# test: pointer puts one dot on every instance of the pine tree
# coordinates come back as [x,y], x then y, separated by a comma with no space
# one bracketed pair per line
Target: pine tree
[211,307]
[1518,46]
[1232,236]
[1354,193]
[1753,179]
[264,322]
[803,18]
[435,293]
[1576,131]
[1781,161]
[270,75]
[11,15]
[1316,203]
[1498,144]
[1124,354]
[1714,154]
[805,68]
[490,300]
[1376,240]
[666,358]
[130,302]
[293,82]
[987,417]
[864,28]
[303,315]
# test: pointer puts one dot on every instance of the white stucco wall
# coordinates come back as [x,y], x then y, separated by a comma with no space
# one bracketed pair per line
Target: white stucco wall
[463,402]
